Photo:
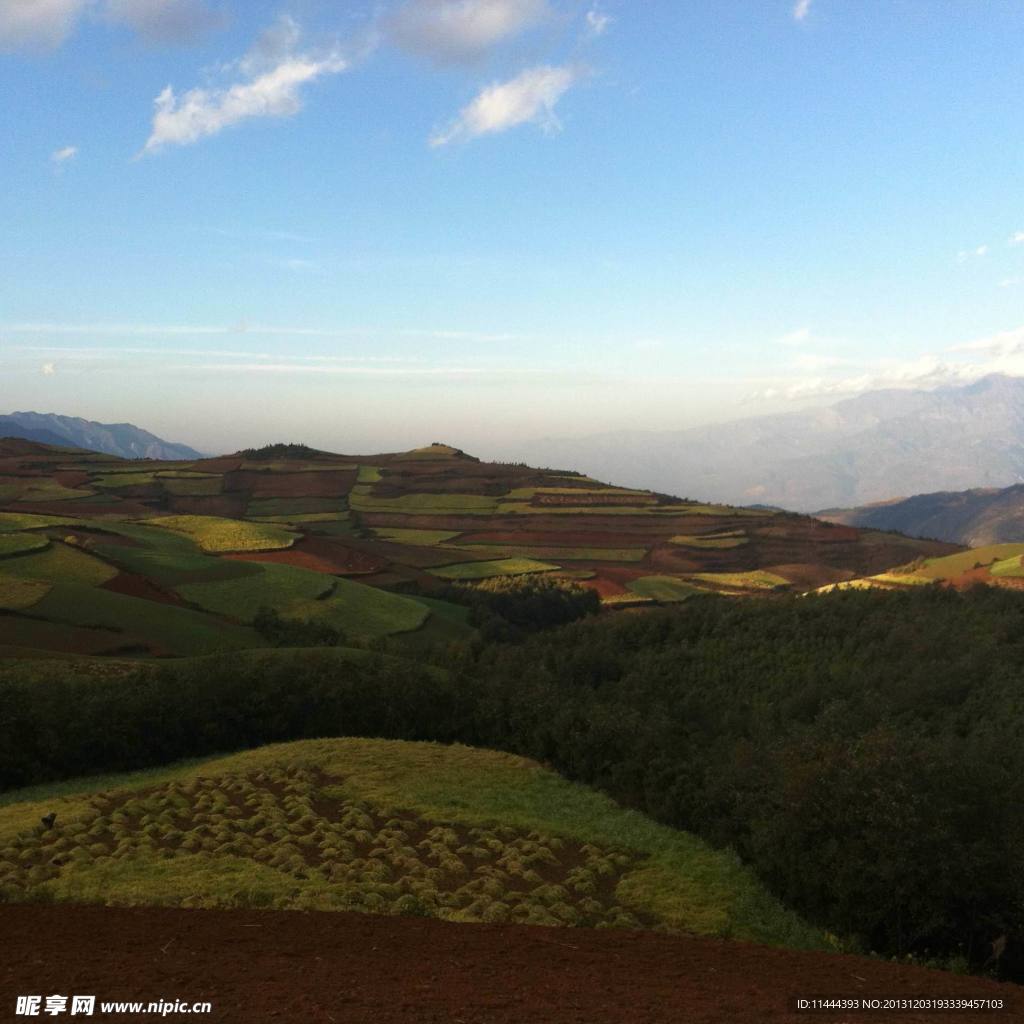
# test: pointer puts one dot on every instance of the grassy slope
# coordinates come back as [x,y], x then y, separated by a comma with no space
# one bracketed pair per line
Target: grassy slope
[674,880]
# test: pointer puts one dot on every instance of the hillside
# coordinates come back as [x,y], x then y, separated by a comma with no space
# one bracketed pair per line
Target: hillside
[99,555]
[976,518]
[865,449]
[121,439]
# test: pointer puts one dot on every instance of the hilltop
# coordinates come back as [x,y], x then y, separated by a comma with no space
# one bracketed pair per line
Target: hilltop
[99,555]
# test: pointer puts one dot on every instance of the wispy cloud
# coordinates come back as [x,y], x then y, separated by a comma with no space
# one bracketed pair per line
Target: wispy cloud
[968,254]
[530,97]
[460,31]
[1017,238]
[273,77]
[795,339]
[38,24]
[164,21]
[62,156]
[258,330]
[597,22]
[801,9]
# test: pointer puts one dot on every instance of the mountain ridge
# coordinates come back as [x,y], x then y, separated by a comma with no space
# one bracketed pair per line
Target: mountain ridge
[124,440]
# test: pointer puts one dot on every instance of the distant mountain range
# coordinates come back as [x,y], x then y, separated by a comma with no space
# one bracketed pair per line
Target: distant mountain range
[878,446]
[975,518]
[121,439]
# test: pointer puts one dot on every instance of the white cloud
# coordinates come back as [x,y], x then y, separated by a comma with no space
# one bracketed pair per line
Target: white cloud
[597,22]
[62,156]
[794,339]
[801,9]
[968,254]
[274,76]
[40,24]
[48,369]
[529,97]
[459,31]
[164,21]
[1017,238]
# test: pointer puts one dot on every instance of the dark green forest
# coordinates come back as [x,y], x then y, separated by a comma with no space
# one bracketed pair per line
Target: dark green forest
[863,751]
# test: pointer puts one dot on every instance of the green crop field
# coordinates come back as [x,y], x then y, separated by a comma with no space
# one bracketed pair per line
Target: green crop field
[284,588]
[381,827]
[1008,567]
[214,534]
[484,570]
[423,504]
[42,489]
[17,594]
[368,475]
[663,588]
[735,539]
[262,507]
[951,566]
[115,480]
[177,631]
[417,538]
[19,543]
[61,563]
[555,552]
[169,558]
[755,579]
[13,521]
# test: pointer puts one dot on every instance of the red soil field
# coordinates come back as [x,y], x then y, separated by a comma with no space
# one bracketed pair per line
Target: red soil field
[318,554]
[339,968]
[138,586]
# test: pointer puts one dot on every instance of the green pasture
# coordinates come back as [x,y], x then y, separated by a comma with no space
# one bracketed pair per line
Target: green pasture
[755,579]
[122,479]
[666,589]
[245,831]
[19,543]
[1008,567]
[734,539]
[950,566]
[168,558]
[14,521]
[260,507]
[423,504]
[555,552]
[416,538]
[217,535]
[177,631]
[61,563]
[368,475]
[17,594]
[485,570]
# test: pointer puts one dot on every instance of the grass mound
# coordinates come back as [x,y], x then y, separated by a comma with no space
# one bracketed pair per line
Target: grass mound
[663,588]
[385,827]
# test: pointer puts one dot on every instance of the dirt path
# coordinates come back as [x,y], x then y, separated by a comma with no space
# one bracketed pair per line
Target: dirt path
[317,968]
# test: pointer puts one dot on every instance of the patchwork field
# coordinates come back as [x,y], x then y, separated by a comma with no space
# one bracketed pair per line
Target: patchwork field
[173,559]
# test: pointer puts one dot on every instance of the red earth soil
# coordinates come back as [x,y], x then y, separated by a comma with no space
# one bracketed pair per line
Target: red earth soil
[138,586]
[319,555]
[322,484]
[339,968]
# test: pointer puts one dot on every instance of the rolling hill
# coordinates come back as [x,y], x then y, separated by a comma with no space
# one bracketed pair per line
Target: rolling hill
[101,556]
[121,439]
[976,517]
[865,449]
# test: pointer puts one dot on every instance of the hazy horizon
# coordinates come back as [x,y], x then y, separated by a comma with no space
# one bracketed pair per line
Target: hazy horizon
[484,220]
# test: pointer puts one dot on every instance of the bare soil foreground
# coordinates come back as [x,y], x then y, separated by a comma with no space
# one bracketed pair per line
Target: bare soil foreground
[340,968]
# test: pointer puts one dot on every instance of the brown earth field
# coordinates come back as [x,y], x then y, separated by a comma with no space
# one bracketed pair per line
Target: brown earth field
[319,555]
[261,484]
[133,585]
[342,968]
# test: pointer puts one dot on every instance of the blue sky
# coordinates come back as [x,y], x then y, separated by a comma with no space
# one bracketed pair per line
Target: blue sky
[369,225]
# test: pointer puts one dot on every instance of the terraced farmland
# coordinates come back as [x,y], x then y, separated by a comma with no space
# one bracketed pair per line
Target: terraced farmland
[152,559]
